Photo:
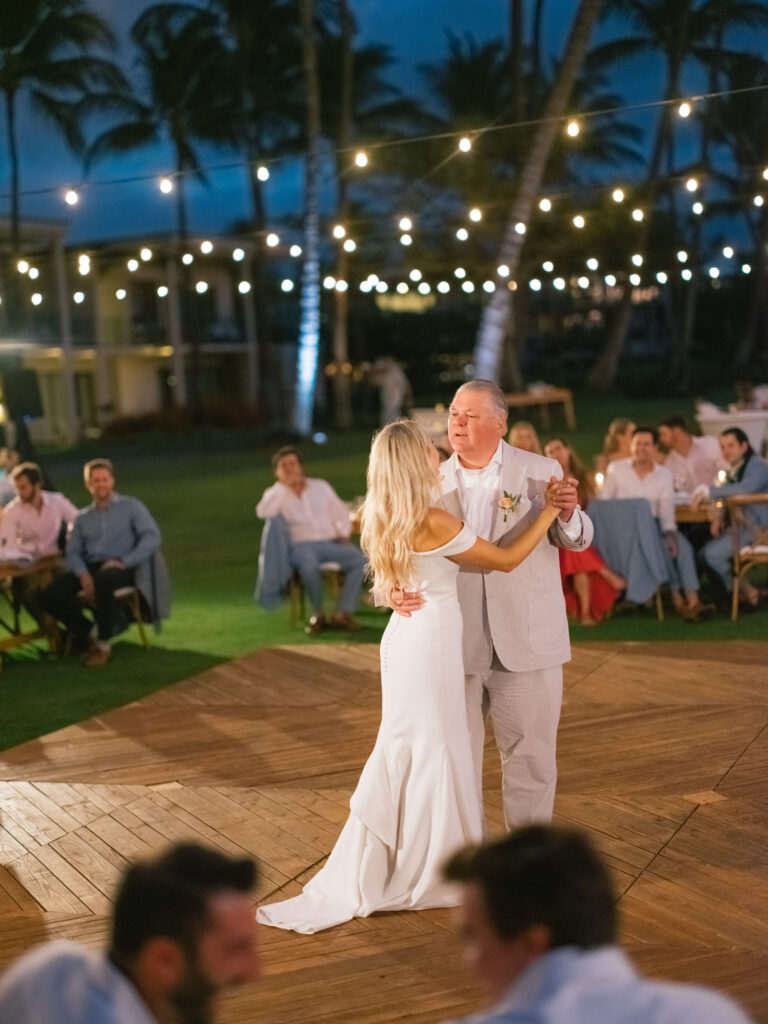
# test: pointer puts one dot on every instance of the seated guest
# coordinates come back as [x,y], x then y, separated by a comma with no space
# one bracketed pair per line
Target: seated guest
[538,925]
[747,474]
[111,542]
[9,458]
[522,434]
[691,460]
[183,932]
[319,528]
[33,525]
[615,443]
[641,476]
[590,587]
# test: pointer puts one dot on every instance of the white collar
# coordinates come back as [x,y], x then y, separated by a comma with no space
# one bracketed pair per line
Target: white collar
[496,460]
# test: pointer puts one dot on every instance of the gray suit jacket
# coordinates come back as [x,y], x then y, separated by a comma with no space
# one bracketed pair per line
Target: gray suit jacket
[521,614]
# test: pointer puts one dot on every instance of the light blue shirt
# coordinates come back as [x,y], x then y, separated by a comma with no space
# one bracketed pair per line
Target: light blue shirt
[123,529]
[600,986]
[65,983]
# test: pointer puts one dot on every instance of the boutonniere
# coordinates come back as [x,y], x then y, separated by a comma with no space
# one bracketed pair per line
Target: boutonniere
[508,504]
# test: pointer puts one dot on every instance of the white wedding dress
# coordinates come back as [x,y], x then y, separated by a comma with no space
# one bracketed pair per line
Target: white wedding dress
[417,799]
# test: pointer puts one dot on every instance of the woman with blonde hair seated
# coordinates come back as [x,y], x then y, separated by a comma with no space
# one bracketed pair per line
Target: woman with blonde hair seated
[417,800]
[522,434]
[616,442]
[589,585]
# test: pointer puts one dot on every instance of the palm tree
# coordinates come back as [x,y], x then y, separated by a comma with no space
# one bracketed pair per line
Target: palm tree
[309,326]
[680,32]
[498,312]
[182,65]
[45,53]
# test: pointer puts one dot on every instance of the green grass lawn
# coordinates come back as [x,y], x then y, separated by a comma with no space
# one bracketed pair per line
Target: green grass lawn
[202,492]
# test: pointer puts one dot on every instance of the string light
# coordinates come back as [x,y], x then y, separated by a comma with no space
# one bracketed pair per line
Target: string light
[618,195]
[465,144]
[686,273]
[415,274]
[341,286]
[405,239]
[698,209]
[272,240]
[365,286]
[468,287]
[34,273]
[402,288]
[79,297]
[573,129]
[361,159]
[350,245]
[238,255]
[329,282]
[692,184]
[548,266]
[443,287]
[534,284]
[295,250]
[22,266]
[37,298]
[592,263]
[424,288]
[661,277]
[462,234]
[765,173]
[520,228]
[201,287]
[162,291]
[545,205]
[637,214]
[206,247]
[746,268]
[405,224]
[684,110]
[758,200]
[187,258]
[637,259]
[339,231]
[382,287]
[165,185]
[132,265]
[610,280]
[559,283]
[583,282]
[244,287]
[728,252]
[71,198]
[146,254]
[262,173]
[502,270]
[120,294]
[460,272]
[578,221]
[635,280]
[682,256]
[714,273]
[475,214]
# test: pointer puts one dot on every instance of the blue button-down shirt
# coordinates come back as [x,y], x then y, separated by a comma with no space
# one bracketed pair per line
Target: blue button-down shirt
[578,986]
[122,529]
[64,983]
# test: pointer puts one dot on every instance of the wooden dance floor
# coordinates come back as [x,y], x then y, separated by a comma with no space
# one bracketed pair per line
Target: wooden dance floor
[663,757]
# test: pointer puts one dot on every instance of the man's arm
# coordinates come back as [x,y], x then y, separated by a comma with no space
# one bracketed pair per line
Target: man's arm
[339,513]
[76,549]
[272,501]
[146,533]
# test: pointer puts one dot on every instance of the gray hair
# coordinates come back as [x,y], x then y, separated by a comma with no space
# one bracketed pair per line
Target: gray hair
[492,392]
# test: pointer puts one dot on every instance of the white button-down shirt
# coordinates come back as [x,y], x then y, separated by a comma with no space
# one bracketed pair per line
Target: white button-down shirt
[621,481]
[699,466]
[30,532]
[318,513]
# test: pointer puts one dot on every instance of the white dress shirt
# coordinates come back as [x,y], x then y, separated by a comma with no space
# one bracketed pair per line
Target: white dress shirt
[621,481]
[480,490]
[318,513]
[698,467]
[26,531]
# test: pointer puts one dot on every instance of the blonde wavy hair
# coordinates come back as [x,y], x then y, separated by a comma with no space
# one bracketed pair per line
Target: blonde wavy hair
[401,484]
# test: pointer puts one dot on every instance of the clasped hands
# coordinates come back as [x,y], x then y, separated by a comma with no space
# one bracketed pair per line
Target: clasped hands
[86,580]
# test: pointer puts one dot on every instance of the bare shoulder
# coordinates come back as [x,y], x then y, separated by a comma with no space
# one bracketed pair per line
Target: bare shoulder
[437,529]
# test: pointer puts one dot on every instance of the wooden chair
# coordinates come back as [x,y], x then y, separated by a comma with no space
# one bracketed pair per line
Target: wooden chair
[131,599]
[746,556]
[333,578]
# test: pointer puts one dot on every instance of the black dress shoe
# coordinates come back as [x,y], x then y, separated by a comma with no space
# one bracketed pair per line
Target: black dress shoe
[316,625]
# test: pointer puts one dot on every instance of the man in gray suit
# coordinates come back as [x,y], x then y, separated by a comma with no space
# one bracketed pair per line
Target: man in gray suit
[515,627]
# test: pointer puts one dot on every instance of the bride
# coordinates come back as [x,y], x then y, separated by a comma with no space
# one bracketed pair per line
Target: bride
[416,801]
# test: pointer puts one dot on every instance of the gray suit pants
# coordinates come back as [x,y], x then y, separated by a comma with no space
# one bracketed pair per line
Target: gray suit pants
[525,710]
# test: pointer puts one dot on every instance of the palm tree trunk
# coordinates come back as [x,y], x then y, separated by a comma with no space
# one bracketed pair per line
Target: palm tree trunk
[13,159]
[516,29]
[497,315]
[341,381]
[309,327]
[189,327]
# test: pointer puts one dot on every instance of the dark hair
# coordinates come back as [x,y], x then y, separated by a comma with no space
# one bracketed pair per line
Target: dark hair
[30,470]
[542,875]
[287,449]
[647,430]
[169,896]
[577,469]
[740,436]
[675,421]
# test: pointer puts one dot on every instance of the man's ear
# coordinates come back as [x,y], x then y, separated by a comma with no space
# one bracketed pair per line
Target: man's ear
[161,962]
[534,942]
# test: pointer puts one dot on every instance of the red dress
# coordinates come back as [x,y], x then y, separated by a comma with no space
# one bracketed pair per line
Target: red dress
[601,594]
